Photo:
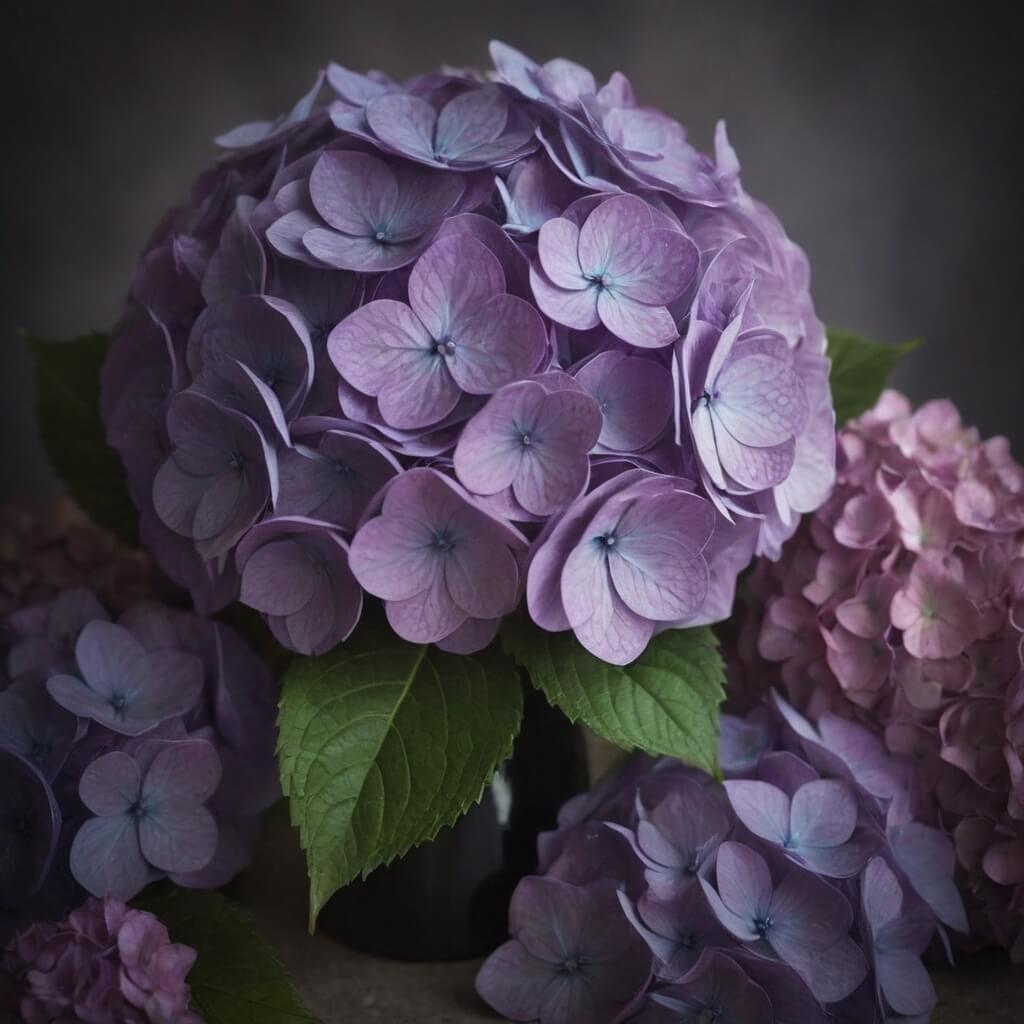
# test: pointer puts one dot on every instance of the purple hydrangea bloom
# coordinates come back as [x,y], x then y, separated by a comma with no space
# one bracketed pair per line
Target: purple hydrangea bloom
[378,216]
[122,686]
[572,958]
[755,931]
[295,571]
[149,815]
[105,963]
[219,477]
[532,440]
[436,559]
[460,332]
[816,825]
[334,475]
[487,276]
[621,268]
[618,562]
[133,751]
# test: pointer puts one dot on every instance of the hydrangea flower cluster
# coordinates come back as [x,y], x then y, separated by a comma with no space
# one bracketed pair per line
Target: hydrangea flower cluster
[46,547]
[106,964]
[130,751]
[793,891]
[899,605]
[462,339]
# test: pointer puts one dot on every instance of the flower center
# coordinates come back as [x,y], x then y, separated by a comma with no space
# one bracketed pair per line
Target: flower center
[762,925]
[443,541]
[119,702]
[40,751]
[382,235]
[572,964]
[606,540]
[237,461]
[600,281]
[444,347]
[927,611]
[138,811]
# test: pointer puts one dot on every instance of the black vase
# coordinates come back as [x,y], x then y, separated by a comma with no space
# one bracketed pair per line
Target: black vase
[448,899]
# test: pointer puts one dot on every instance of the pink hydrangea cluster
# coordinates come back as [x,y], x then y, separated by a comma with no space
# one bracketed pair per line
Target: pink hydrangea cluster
[46,547]
[900,604]
[105,964]
[463,340]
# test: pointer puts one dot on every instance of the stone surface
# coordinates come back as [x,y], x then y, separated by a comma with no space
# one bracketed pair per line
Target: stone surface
[341,986]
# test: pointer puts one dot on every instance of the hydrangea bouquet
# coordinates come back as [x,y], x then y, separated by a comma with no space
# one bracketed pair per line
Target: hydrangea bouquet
[453,382]
[497,353]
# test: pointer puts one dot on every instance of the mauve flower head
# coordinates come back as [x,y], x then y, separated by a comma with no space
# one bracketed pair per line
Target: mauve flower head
[525,282]
[895,605]
[132,750]
[753,900]
[105,963]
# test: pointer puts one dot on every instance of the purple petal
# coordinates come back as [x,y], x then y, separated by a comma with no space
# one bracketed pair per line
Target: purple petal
[502,343]
[557,245]
[106,858]
[452,281]
[513,981]
[904,982]
[393,557]
[182,772]
[353,192]
[744,884]
[656,565]
[611,238]
[276,579]
[429,616]
[927,857]
[111,784]
[639,324]
[576,308]
[634,395]
[472,636]
[762,808]
[760,401]
[824,813]
[469,121]
[361,253]
[180,838]
[482,577]
[404,123]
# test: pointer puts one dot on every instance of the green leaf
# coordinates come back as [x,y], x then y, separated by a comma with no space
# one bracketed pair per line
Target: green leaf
[382,743]
[860,369]
[237,978]
[68,412]
[666,702]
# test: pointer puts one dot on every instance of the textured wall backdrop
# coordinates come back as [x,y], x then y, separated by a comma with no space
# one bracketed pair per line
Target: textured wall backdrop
[884,135]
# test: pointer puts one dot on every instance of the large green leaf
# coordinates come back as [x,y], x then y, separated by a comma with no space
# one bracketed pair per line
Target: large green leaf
[68,412]
[237,979]
[666,702]
[382,743]
[860,369]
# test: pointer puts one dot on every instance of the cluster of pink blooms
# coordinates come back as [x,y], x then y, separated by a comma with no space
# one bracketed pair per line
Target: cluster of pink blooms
[900,604]
[105,964]
[46,547]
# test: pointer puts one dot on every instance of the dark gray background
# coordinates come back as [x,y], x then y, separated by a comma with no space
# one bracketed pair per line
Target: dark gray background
[885,136]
